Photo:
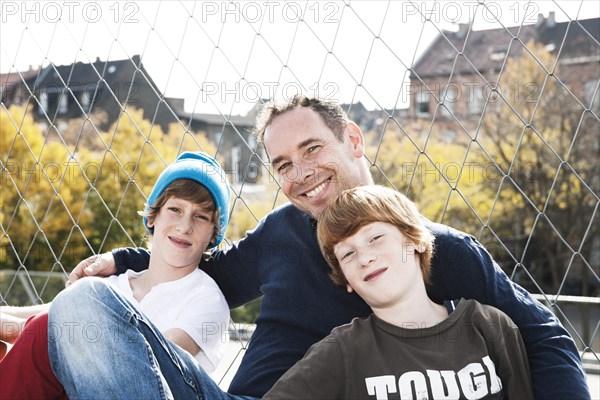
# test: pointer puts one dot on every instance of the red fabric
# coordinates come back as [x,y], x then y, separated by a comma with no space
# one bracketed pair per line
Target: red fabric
[25,371]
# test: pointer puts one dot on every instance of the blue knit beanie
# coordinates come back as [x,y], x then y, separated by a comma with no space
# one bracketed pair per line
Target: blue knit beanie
[205,170]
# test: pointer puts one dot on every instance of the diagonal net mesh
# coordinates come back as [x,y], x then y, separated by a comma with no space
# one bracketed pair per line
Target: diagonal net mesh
[487,114]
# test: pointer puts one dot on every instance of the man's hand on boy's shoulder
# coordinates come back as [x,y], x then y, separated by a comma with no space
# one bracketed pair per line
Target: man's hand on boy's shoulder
[97,265]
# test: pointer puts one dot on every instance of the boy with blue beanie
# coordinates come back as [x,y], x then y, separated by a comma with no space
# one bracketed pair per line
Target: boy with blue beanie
[186,213]
[205,170]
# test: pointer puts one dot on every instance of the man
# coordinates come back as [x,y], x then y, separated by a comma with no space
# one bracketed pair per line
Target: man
[317,153]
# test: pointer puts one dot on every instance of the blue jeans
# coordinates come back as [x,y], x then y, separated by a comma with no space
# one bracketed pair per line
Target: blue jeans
[102,347]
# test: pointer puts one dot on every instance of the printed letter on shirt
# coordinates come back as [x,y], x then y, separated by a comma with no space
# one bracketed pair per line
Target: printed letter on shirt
[473,382]
[437,379]
[496,382]
[380,386]
[405,385]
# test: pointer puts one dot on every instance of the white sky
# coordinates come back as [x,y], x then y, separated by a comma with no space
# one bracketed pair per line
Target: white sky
[221,56]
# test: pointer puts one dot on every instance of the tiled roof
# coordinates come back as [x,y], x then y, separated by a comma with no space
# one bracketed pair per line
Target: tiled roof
[82,74]
[218,119]
[485,50]
[15,77]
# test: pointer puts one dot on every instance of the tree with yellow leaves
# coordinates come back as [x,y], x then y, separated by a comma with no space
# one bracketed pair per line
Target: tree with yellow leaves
[538,132]
[40,203]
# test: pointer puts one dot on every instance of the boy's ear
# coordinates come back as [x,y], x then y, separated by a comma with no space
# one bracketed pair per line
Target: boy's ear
[349,288]
[150,224]
[421,247]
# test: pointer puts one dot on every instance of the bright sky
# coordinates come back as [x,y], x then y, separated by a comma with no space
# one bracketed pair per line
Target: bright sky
[223,56]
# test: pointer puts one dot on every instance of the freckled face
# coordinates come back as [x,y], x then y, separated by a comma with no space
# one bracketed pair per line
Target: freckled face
[380,264]
[312,165]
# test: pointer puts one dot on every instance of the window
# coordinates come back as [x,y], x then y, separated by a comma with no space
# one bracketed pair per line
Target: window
[251,139]
[18,95]
[63,103]
[476,100]
[86,100]
[591,88]
[236,170]
[236,156]
[217,135]
[43,102]
[498,53]
[422,104]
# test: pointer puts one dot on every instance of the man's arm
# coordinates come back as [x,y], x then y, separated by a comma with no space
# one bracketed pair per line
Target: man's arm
[235,270]
[461,267]
[97,265]
[231,269]
[136,259]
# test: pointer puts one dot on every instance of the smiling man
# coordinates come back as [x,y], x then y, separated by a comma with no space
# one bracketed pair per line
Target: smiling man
[314,165]
[317,153]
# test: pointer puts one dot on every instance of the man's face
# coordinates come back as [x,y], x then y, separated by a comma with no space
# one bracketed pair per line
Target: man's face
[312,165]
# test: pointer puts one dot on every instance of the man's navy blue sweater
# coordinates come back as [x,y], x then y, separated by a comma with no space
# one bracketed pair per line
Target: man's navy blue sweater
[281,261]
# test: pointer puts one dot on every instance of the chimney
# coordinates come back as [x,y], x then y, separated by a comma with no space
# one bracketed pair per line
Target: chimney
[462,30]
[551,20]
[136,60]
[97,59]
[540,21]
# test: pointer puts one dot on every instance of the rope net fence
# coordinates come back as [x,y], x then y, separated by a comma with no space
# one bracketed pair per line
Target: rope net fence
[486,114]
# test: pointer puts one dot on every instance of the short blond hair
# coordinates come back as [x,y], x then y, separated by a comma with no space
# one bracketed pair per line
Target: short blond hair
[363,205]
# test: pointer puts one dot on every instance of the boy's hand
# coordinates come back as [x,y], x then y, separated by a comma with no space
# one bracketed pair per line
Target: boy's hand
[98,265]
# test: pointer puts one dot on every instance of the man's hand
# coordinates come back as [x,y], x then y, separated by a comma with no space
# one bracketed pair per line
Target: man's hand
[98,265]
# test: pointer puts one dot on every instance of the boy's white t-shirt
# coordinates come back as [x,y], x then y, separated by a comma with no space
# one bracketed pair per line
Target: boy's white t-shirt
[194,304]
